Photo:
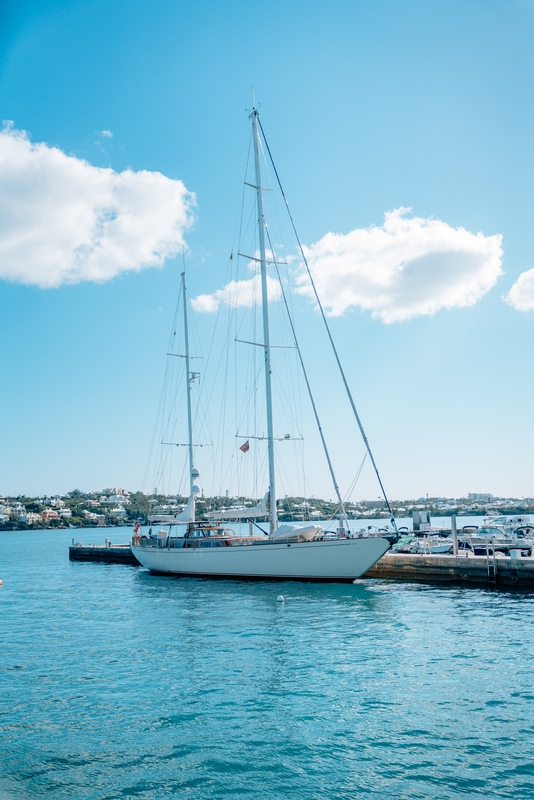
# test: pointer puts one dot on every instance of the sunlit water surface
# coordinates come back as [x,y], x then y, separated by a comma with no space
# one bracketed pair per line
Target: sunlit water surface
[118,683]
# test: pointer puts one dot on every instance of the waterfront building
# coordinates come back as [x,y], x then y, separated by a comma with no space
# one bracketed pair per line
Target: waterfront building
[118,512]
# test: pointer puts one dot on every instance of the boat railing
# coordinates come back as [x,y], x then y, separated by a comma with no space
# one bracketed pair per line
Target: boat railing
[179,542]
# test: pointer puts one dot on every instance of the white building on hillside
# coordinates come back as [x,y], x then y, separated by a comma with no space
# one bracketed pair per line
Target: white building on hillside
[56,502]
[114,499]
[118,512]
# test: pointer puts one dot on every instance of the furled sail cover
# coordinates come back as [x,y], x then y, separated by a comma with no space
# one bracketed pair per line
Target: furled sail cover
[187,515]
[261,510]
[304,534]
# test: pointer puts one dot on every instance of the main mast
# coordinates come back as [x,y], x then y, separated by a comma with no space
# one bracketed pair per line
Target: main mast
[273,521]
[190,379]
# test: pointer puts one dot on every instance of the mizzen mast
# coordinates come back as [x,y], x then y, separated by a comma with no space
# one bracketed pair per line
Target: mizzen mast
[190,377]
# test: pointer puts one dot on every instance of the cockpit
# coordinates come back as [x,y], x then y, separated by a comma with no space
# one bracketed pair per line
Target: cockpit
[208,537]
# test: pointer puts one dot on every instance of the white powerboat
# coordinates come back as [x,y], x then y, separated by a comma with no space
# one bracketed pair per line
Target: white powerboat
[499,534]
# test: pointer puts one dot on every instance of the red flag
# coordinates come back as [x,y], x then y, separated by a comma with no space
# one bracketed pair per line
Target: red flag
[245,447]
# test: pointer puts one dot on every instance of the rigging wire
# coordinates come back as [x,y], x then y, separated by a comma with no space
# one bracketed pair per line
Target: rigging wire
[314,407]
[356,479]
[162,421]
[341,370]
[223,360]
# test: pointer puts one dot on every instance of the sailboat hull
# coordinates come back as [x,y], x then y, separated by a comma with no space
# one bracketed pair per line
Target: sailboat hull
[340,560]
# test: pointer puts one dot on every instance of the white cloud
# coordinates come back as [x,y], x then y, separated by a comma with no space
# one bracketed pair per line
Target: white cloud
[521,295]
[406,267]
[237,294]
[106,134]
[64,221]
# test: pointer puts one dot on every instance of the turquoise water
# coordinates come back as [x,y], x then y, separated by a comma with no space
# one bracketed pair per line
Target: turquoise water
[116,683]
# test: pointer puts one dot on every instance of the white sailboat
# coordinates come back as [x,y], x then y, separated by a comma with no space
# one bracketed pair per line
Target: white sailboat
[209,549]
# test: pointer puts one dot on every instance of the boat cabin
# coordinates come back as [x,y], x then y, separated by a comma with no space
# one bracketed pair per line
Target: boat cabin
[208,536]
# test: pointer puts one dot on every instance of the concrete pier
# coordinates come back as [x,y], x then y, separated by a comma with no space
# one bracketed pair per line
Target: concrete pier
[106,553]
[462,570]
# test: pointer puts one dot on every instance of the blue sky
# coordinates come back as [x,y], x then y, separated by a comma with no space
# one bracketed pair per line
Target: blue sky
[369,107]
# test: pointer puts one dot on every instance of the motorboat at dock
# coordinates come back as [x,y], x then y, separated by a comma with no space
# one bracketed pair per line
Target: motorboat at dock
[500,534]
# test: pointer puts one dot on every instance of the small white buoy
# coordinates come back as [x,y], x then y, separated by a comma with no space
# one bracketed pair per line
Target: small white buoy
[280,598]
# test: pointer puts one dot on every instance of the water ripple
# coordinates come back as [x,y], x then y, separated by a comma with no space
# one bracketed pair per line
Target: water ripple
[117,683]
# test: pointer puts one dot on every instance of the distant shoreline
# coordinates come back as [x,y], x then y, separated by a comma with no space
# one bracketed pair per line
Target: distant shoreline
[14,526]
